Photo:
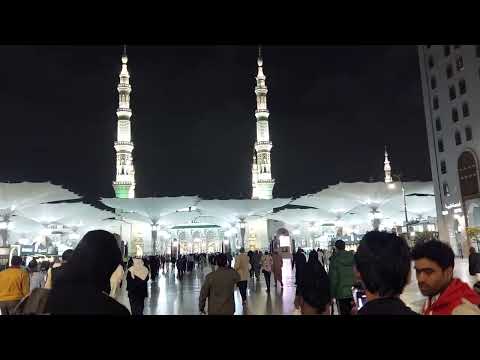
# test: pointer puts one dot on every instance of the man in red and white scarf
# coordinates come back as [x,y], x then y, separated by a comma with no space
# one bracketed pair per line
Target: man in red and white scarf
[434,263]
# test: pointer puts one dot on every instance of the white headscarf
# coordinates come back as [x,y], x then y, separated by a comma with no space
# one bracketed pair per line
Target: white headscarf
[138,269]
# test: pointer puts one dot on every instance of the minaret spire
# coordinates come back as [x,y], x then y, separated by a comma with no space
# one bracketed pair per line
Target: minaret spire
[262,182]
[124,184]
[387,168]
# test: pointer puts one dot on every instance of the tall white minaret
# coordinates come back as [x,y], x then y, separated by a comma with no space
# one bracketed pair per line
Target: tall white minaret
[387,168]
[124,184]
[254,177]
[263,145]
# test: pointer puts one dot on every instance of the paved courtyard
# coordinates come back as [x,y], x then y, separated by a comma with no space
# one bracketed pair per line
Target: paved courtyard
[170,296]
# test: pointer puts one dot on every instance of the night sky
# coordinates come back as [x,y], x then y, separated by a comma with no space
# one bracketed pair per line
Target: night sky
[332,110]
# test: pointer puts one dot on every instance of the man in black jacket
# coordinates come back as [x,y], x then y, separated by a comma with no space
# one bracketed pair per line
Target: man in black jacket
[383,264]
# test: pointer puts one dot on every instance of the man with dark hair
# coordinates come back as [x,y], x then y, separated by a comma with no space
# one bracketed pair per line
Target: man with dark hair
[14,286]
[56,270]
[383,264]
[219,287]
[434,264]
[341,277]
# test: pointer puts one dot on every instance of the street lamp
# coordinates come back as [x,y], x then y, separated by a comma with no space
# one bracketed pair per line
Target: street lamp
[154,238]
[242,231]
[392,186]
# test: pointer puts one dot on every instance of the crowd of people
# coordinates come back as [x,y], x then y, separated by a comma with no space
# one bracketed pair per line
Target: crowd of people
[367,282]
[370,281]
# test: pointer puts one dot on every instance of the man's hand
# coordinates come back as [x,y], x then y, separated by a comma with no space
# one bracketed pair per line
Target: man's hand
[466,308]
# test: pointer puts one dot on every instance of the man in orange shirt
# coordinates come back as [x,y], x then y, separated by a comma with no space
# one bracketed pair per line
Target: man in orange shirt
[14,286]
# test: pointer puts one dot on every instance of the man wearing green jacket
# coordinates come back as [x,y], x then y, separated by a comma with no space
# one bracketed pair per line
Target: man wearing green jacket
[342,277]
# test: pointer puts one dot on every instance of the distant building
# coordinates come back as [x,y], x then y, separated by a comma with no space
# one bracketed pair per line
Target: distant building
[451,92]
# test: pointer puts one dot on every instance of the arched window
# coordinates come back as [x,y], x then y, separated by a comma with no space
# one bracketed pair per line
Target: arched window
[462,86]
[440,145]
[438,124]
[433,82]
[430,61]
[468,133]
[467,173]
[449,71]
[446,191]
[458,138]
[443,167]
[459,63]
[452,92]
[435,102]
[454,115]
[465,109]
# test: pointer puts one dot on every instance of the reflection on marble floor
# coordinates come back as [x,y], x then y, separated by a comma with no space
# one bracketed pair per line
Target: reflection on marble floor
[170,296]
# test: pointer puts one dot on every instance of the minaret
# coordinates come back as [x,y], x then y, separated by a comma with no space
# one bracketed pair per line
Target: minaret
[387,168]
[263,145]
[254,177]
[124,184]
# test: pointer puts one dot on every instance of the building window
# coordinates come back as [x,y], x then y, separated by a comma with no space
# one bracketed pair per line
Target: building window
[459,63]
[454,115]
[465,109]
[446,50]
[468,133]
[449,71]
[430,62]
[446,191]
[440,146]
[462,86]
[433,82]
[438,124]
[458,138]
[435,102]
[443,167]
[452,92]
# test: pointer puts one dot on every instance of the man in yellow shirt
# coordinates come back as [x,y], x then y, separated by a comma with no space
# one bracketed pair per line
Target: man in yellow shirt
[14,286]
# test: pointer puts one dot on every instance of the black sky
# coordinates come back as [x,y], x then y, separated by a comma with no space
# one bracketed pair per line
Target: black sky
[332,109]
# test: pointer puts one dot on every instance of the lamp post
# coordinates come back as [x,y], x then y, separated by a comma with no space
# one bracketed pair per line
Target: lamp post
[404,197]
[4,232]
[242,231]
[154,238]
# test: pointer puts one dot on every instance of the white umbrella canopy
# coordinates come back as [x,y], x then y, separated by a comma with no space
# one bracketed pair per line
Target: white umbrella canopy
[328,200]
[179,217]
[372,194]
[235,209]
[20,195]
[151,208]
[418,207]
[85,216]
[23,225]
[300,216]
[61,212]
